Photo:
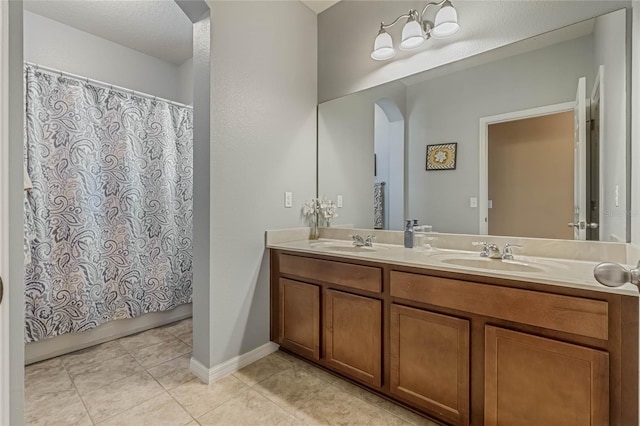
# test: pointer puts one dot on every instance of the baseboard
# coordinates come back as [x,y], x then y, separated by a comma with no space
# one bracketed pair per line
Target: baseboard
[71,342]
[213,374]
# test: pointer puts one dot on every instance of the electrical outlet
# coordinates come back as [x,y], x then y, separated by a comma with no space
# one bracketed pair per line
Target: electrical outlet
[288,199]
[473,202]
[339,201]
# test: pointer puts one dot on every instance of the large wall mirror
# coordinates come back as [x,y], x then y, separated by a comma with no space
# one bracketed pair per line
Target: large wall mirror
[527,140]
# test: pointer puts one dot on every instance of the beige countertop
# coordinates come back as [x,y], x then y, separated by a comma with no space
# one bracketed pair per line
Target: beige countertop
[555,271]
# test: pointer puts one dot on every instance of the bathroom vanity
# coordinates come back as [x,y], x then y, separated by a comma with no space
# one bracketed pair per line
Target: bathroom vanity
[458,340]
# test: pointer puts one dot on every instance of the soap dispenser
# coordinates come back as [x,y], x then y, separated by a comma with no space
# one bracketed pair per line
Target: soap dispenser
[408,234]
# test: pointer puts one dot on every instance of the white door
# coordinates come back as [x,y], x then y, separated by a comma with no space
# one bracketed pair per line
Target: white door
[597,122]
[580,163]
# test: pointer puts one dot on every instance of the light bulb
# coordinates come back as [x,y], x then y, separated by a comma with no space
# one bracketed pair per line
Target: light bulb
[446,22]
[412,35]
[383,47]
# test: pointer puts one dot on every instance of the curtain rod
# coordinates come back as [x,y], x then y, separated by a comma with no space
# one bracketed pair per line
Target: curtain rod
[106,85]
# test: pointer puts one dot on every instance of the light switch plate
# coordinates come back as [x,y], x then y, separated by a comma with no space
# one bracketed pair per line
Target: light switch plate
[617,196]
[288,199]
[339,201]
[490,204]
[473,202]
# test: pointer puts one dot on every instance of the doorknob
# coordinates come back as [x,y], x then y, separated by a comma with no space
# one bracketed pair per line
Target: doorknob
[1,290]
[583,225]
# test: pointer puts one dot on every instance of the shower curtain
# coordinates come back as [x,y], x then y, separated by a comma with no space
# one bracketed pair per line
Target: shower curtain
[110,204]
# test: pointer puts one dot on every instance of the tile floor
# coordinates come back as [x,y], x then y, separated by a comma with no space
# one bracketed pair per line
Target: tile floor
[144,379]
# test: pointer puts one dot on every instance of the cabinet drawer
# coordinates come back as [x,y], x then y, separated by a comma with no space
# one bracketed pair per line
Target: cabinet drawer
[344,274]
[574,315]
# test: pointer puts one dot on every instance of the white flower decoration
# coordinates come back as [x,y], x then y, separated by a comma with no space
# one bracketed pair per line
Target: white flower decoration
[440,156]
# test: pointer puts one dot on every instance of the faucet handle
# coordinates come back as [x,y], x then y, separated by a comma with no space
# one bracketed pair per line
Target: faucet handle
[485,248]
[358,241]
[507,253]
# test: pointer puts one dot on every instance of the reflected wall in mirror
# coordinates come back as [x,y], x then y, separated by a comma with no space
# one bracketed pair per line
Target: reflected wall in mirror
[541,133]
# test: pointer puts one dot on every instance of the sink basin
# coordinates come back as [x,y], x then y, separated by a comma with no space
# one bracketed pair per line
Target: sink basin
[493,264]
[346,247]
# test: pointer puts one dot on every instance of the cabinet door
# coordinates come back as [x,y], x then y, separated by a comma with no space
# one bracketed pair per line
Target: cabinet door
[300,317]
[353,335]
[531,380]
[430,362]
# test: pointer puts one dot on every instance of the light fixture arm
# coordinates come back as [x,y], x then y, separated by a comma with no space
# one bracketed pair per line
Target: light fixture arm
[427,26]
[424,10]
[411,13]
[417,29]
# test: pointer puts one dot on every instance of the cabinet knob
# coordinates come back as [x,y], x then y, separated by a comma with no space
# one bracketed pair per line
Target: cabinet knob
[616,275]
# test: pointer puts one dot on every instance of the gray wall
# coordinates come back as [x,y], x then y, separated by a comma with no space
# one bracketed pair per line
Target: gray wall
[345,151]
[635,125]
[263,124]
[448,109]
[185,82]
[59,46]
[609,39]
[202,189]
[347,30]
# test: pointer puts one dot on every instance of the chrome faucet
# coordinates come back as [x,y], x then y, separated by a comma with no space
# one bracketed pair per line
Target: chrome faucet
[490,250]
[368,241]
[507,253]
[359,241]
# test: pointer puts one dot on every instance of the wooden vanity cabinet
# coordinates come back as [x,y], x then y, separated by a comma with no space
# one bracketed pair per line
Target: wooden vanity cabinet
[462,349]
[429,366]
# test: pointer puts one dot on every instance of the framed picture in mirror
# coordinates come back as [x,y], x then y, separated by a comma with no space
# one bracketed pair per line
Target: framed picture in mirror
[442,156]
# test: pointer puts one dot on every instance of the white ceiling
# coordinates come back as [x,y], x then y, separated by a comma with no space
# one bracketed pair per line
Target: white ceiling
[319,6]
[156,27]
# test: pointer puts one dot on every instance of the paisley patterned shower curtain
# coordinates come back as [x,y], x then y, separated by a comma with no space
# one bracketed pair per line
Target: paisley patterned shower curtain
[111,204]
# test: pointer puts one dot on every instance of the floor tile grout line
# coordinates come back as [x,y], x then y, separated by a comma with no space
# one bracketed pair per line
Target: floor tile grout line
[106,384]
[131,408]
[143,370]
[140,403]
[86,409]
[181,406]
[168,391]
[127,353]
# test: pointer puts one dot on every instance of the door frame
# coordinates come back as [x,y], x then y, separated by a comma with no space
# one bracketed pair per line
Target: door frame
[11,215]
[483,151]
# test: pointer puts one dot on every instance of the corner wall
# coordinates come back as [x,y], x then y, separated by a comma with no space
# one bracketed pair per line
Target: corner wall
[263,143]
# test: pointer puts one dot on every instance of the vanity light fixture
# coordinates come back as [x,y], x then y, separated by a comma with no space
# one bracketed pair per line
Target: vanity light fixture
[416,30]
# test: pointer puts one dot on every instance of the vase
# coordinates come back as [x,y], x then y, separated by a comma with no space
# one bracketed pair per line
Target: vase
[314,234]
